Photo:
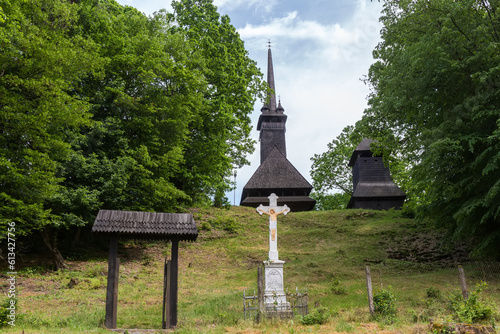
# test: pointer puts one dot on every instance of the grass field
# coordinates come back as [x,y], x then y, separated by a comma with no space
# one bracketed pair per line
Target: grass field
[325,252]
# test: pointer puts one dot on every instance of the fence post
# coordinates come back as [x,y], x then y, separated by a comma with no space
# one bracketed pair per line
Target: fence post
[260,291]
[463,283]
[369,288]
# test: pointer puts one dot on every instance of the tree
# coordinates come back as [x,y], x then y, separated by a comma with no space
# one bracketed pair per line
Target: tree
[435,97]
[41,63]
[220,136]
[330,170]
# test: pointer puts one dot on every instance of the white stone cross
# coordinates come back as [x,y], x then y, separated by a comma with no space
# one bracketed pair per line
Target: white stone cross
[273,210]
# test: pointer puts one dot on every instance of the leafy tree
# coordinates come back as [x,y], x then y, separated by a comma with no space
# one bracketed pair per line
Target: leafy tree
[220,136]
[40,66]
[330,171]
[435,99]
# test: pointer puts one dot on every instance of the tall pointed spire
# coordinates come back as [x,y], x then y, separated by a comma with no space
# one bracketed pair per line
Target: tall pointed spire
[275,174]
[270,80]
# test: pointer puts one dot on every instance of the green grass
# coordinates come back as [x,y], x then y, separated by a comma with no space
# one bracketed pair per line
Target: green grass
[325,251]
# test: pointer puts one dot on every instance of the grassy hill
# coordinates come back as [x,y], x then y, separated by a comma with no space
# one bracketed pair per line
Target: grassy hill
[325,252]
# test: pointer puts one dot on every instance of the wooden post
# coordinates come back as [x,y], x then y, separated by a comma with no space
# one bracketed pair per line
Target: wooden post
[174,269]
[112,287]
[370,292]
[260,292]
[166,295]
[463,283]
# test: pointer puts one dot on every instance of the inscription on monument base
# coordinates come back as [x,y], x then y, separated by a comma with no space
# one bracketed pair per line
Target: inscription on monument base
[274,295]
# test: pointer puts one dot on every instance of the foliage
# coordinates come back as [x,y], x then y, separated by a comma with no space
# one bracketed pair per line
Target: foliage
[433,293]
[42,62]
[471,309]
[337,288]
[318,316]
[330,170]
[220,135]
[434,102]
[104,107]
[336,201]
[4,312]
[385,305]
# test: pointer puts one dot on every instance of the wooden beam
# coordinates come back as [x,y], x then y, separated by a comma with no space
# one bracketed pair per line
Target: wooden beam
[166,295]
[112,287]
[174,269]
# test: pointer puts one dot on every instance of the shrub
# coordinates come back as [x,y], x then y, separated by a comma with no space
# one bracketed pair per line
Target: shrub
[385,305]
[433,293]
[472,309]
[337,288]
[318,316]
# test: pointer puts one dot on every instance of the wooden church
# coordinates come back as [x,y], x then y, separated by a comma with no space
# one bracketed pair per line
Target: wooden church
[275,174]
[373,187]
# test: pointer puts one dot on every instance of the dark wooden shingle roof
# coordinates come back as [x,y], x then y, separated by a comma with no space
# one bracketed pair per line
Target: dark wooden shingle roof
[363,149]
[146,225]
[277,172]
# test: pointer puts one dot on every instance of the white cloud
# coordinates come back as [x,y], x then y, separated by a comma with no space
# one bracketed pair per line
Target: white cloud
[259,5]
[332,41]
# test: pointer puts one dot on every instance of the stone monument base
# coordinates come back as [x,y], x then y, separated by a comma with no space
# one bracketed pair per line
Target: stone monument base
[274,294]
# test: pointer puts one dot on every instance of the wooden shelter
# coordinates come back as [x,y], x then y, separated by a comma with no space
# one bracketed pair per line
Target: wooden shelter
[275,174]
[373,187]
[144,225]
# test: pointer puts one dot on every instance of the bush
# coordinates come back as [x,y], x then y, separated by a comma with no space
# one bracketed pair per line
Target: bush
[317,317]
[472,309]
[337,288]
[433,293]
[385,305]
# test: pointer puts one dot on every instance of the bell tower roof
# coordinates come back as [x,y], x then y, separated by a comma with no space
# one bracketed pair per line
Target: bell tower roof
[270,80]
[270,112]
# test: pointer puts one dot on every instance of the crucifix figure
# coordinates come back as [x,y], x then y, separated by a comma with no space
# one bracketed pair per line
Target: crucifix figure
[273,210]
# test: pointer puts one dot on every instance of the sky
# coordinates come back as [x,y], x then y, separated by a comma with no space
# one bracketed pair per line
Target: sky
[322,49]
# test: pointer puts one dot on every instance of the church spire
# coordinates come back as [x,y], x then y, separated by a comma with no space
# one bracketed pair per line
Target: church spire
[270,80]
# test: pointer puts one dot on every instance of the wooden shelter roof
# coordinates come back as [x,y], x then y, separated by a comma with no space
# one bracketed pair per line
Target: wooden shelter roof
[146,225]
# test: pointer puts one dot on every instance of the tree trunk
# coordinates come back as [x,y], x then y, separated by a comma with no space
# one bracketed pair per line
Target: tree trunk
[50,240]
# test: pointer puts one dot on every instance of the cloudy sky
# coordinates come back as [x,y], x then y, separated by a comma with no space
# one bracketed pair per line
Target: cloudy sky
[321,51]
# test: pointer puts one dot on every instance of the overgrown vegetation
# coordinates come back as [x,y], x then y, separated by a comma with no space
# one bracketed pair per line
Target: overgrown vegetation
[325,251]
[385,306]
[472,309]
[317,316]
